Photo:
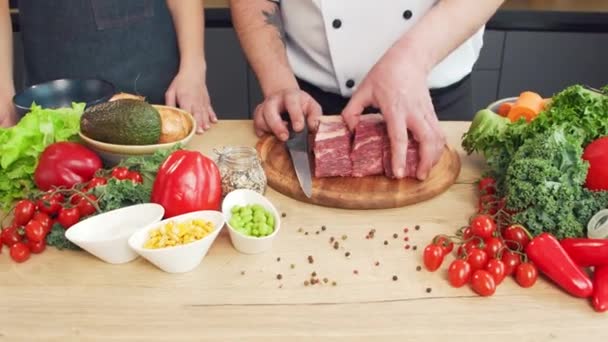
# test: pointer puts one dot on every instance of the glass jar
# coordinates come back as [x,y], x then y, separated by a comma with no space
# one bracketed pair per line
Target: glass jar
[240,168]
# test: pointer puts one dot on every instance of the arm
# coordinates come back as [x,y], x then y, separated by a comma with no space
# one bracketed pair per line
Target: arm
[397,84]
[260,30]
[7,87]
[188,89]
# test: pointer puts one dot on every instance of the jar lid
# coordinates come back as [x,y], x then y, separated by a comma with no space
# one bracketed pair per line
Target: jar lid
[597,228]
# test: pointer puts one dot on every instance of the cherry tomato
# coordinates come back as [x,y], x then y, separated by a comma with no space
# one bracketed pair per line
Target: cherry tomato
[488,204]
[59,197]
[85,208]
[497,269]
[44,219]
[24,211]
[68,217]
[483,226]
[433,257]
[446,244]
[511,261]
[483,283]
[465,250]
[467,233]
[477,259]
[10,236]
[135,177]
[34,231]
[49,204]
[459,273]
[95,182]
[120,173]
[515,237]
[20,252]
[493,246]
[487,186]
[36,247]
[526,274]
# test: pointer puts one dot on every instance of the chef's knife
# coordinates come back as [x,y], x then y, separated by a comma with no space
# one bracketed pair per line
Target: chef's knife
[297,144]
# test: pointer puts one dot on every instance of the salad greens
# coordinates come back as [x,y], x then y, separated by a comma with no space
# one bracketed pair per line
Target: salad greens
[538,166]
[21,145]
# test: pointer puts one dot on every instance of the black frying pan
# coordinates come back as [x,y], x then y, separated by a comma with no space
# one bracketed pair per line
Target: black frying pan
[61,93]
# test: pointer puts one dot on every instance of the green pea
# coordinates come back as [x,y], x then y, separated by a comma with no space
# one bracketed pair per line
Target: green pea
[259,217]
[270,221]
[255,232]
[246,211]
[257,207]
[247,218]
[235,209]
[235,223]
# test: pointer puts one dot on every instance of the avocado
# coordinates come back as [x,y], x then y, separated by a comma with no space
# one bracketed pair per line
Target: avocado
[122,122]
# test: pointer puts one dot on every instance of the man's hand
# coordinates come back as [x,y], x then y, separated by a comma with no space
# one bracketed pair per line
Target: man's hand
[398,87]
[189,91]
[300,106]
[8,115]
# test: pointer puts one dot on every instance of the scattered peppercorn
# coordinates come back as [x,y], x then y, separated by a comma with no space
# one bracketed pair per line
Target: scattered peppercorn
[278,259]
[405,230]
[323,228]
[415,247]
[279,276]
[300,230]
[373,231]
[283,215]
[395,236]
[325,280]
[305,233]
[407,246]
[417,227]
[356,272]
[281,286]
[310,259]
[344,237]
[385,242]
[428,290]
[313,274]
[336,245]
[347,254]
[317,232]
[406,239]
[331,239]
[333,283]
[418,268]
[305,282]
[292,266]
[395,278]
[242,272]
[377,263]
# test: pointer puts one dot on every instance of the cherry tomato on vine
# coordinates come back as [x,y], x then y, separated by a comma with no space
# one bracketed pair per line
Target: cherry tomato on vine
[483,283]
[511,261]
[459,273]
[85,207]
[483,226]
[68,217]
[493,246]
[10,236]
[446,244]
[477,259]
[120,173]
[36,247]
[20,252]
[526,274]
[95,182]
[44,219]
[135,177]
[34,231]
[467,233]
[497,269]
[433,257]
[488,204]
[516,237]
[487,185]
[24,211]
[465,249]
[49,204]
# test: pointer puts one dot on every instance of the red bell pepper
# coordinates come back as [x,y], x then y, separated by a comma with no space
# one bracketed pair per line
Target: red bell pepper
[187,181]
[600,284]
[587,252]
[552,260]
[65,164]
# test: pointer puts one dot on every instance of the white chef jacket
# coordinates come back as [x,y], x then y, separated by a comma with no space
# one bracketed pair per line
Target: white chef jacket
[333,44]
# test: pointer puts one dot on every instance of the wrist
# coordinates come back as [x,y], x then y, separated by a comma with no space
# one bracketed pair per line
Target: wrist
[276,82]
[193,65]
[418,54]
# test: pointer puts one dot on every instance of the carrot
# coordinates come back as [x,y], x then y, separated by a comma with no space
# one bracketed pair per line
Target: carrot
[505,108]
[527,106]
[546,103]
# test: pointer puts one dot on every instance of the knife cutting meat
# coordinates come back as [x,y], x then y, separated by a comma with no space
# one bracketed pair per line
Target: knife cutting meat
[297,145]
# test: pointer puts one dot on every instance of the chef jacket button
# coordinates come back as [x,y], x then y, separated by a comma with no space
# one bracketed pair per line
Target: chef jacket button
[350,83]
[337,23]
[407,15]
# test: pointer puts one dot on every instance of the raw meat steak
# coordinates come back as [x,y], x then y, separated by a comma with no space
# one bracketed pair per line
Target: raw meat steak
[411,158]
[368,144]
[332,146]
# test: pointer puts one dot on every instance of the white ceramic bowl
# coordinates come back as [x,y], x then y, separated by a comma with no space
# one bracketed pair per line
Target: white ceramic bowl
[106,235]
[182,258]
[243,243]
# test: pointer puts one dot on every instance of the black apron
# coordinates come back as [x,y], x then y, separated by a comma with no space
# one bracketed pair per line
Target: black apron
[131,43]
[452,103]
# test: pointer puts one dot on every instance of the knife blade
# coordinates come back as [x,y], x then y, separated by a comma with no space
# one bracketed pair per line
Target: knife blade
[297,145]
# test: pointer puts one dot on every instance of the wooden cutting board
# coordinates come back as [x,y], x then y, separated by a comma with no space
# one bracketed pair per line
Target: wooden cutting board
[373,192]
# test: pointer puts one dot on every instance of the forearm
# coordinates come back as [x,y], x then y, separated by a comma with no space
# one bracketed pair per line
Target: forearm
[260,30]
[445,27]
[189,22]
[7,87]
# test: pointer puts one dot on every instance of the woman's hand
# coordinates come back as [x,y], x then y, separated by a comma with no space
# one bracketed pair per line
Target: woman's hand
[302,108]
[397,85]
[189,91]
[8,115]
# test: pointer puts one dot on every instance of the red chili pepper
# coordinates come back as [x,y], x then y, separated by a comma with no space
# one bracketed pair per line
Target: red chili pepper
[587,252]
[187,181]
[600,284]
[552,260]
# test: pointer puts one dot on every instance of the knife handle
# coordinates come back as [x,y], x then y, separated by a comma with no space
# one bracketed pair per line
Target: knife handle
[297,136]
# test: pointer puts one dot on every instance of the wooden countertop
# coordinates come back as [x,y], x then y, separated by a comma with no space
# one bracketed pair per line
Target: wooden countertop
[531,5]
[59,296]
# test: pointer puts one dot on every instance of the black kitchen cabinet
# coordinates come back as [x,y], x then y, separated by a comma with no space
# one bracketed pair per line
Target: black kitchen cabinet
[18,63]
[547,62]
